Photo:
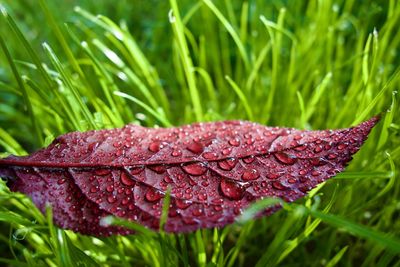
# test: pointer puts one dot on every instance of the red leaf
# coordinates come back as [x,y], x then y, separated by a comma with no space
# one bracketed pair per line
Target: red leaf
[214,170]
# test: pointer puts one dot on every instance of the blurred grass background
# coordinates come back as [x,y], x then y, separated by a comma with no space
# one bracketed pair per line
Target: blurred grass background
[305,64]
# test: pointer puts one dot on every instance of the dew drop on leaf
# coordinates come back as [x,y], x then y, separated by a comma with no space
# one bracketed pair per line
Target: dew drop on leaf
[195,169]
[231,189]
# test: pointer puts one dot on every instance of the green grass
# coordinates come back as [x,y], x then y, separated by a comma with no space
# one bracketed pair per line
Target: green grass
[305,64]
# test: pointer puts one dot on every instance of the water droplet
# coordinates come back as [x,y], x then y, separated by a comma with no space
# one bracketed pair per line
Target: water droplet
[292,181]
[155,146]
[210,155]
[136,170]
[273,176]
[250,174]
[182,204]
[317,149]
[110,188]
[227,164]
[315,173]
[226,151]
[176,153]
[232,190]
[125,201]
[202,196]
[341,146]
[302,172]
[153,195]
[285,158]
[158,168]
[197,212]
[102,172]
[195,169]
[126,179]
[168,179]
[248,159]
[279,186]
[234,142]
[111,199]
[332,156]
[94,189]
[195,147]
[61,181]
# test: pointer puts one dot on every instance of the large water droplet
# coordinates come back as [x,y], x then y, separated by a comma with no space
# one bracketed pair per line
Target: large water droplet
[195,147]
[250,174]
[227,164]
[153,195]
[111,199]
[126,179]
[195,169]
[231,189]
[285,158]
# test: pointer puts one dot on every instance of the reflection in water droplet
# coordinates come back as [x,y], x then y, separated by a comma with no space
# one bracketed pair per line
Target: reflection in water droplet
[126,179]
[250,174]
[195,147]
[196,169]
[285,158]
[231,189]
[227,164]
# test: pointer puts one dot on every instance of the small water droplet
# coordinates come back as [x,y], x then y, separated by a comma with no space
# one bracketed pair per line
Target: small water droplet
[197,212]
[182,204]
[341,146]
[332,156]
[302,172]
[61,181]
[195,147]
[250,174]
[158,168]
[227,164]
[210,155]
[317,149]
[136,170]
[285,158]
[102,172]
[168,179]
[315,173]
[126,179]
[248,159]
[155,146]
[110,188]
[94,189]
[202,196]
[234,142]
[111,199]
[231,189]
[153,195]
[176,153]
[279,186]
[196,169]
[226,151]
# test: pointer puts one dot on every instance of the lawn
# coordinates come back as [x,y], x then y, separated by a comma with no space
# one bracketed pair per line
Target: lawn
[82,65]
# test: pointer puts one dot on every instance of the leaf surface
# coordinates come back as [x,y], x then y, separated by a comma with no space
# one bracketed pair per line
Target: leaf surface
[214,171]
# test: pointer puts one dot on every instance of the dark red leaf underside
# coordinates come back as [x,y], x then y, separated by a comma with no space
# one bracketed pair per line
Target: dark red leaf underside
[214,170]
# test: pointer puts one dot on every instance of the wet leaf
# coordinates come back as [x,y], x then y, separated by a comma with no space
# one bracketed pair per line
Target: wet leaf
[213,170]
